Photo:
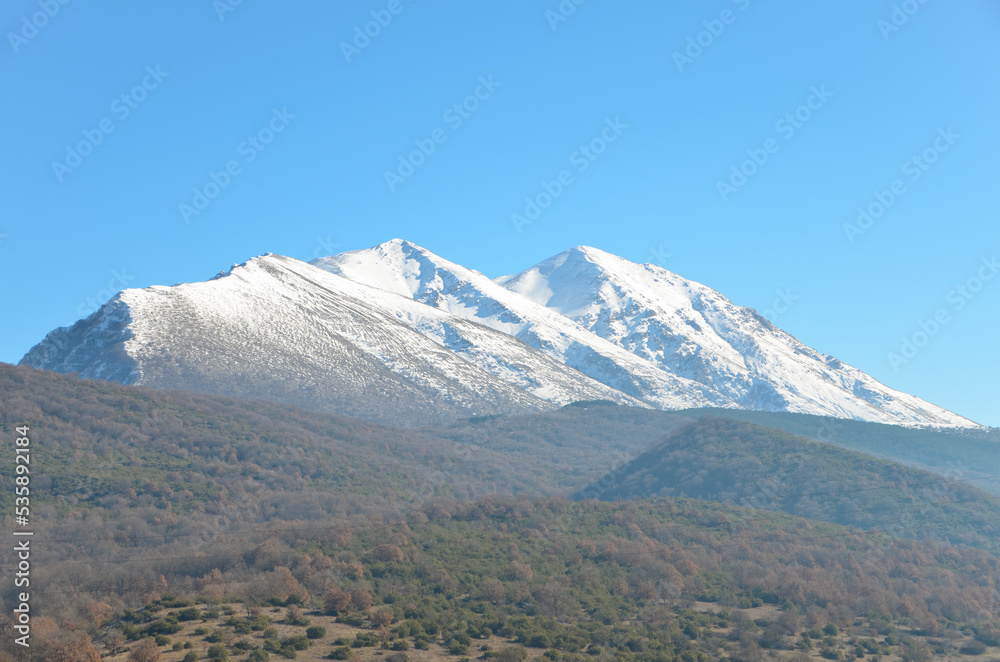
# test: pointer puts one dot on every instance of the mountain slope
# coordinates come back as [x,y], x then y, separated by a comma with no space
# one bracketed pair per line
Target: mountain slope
[140,489]
[694,332]
[730,461]
[410,271]
[965,454]
[399,335]
[279,329]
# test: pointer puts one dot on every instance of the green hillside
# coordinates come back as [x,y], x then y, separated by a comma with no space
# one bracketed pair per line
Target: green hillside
[719,459]
[972,455]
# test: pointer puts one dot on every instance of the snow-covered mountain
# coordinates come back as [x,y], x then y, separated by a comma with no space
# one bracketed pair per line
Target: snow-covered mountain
[415,273]
[694,332]
[279,329]
[397,334]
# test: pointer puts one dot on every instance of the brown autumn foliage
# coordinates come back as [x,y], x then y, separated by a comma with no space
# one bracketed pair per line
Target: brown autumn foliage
[336,600]
[145,651]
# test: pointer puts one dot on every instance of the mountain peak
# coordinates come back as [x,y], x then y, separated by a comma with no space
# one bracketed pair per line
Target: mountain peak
[396,331]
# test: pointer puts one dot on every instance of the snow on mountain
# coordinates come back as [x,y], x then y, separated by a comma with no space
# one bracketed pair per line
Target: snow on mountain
[696,333]
[397,334]
[408,270]
[279,329]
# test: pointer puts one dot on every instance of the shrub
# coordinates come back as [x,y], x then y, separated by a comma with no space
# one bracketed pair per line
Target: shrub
[972,648]
[354,620]
[293,616]
[989,636]
[218,653]
[341,653]
[166,626]
[540,640]
[190,656]
[316,632]
[365,639]
[512,654]
[259,655]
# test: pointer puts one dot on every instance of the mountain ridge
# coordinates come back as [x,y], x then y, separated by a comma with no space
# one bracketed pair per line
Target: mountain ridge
[395,333]
[699,334]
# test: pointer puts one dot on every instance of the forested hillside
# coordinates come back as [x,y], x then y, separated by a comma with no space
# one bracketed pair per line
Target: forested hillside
[144,501]
[968,454]
[731,461]
[655,581]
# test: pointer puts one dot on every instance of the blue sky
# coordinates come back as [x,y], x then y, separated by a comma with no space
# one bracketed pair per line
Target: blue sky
[117,115]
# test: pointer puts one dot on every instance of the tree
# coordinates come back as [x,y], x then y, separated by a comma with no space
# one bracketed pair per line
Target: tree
[361,600]
[146,651]
[387,554]
[381,618]
[916,650]
[493,591]
[336,600]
